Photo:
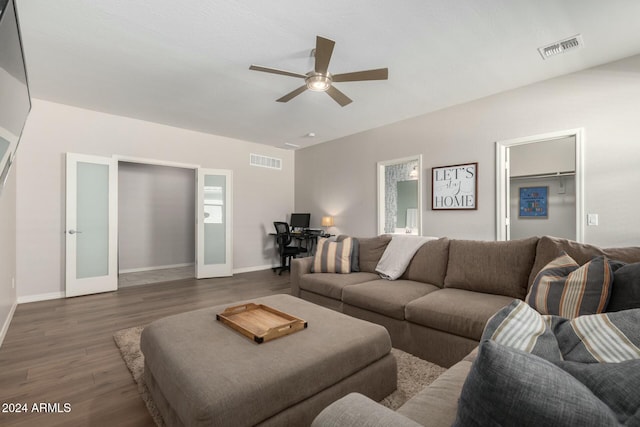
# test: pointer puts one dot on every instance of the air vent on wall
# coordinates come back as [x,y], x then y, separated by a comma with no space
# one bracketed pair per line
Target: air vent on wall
[561,46]
[265,162]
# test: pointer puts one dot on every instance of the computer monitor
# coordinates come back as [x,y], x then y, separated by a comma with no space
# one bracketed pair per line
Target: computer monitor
[299,220]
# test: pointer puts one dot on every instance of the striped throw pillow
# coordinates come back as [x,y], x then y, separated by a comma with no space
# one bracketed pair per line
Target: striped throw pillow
[595,338]
[602,338]
[563,288]
[333,257]
[521,327]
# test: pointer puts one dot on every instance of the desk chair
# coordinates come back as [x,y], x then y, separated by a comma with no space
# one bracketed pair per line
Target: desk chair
[283,239]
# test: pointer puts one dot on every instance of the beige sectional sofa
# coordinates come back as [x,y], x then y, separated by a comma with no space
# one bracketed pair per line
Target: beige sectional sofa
[438,309]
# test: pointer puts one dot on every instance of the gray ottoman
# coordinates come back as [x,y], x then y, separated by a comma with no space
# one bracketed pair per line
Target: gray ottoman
[201,372]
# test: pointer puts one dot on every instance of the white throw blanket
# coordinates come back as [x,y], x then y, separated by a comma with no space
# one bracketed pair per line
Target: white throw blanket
[398,254]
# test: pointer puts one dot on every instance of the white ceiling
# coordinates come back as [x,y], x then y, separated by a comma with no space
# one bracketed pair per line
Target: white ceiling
[186,63]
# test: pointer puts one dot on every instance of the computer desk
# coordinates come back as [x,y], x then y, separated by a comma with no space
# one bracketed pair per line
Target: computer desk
[308,237]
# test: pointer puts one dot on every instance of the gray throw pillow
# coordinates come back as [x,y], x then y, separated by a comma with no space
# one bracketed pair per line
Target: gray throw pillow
[616,384]
[508,387]
[625,292]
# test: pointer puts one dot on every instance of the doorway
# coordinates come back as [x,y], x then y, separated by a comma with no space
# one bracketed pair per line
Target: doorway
[539,186]
[156,219]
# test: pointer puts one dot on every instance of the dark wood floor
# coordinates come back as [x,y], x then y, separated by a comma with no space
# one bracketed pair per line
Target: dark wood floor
[62,351]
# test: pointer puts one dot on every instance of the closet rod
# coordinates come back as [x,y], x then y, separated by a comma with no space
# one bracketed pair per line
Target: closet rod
[545,175]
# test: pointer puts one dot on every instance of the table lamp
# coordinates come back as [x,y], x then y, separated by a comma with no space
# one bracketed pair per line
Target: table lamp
[327,221]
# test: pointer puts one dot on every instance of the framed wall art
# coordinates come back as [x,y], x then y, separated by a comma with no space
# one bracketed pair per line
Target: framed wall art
[454,187]
[534,202]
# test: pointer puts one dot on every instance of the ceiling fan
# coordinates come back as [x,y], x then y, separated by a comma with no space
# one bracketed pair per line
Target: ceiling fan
[320,79]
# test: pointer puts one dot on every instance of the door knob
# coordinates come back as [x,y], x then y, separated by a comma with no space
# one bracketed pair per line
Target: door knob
[74,231]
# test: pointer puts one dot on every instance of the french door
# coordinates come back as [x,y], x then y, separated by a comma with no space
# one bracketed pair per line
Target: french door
[91,225]
[214,251]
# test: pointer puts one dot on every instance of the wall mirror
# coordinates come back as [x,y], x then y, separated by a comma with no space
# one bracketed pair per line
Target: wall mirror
[400,196]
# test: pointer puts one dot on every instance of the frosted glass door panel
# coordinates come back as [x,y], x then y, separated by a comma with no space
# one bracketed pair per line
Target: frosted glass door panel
[214,257]
[92,234]
[91,219]
[4,146]
[214,219]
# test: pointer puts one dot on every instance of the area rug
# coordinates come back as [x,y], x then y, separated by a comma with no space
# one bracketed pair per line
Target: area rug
[413,373]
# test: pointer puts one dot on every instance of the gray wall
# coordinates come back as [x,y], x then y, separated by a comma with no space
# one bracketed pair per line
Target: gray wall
[7,251]
[561,205]
[156,216]
[604,101]
[557,155]
[539,158]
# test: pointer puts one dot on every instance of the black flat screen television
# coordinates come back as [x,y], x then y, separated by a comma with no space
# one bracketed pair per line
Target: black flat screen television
[15,100]
[300,220]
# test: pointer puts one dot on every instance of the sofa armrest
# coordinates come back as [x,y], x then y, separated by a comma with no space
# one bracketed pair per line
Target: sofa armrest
[299,267]
[357,410]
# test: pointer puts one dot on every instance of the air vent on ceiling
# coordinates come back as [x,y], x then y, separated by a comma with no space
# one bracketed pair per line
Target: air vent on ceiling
[561,46]
[265,162]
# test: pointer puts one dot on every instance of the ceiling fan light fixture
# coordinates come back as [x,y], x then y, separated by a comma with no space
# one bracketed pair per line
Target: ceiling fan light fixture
[318,82]
[320,79]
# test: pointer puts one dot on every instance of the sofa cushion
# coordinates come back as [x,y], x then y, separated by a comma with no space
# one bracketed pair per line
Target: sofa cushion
[371,250]
[509,387]
[625,292]
[429,264]
[386,297]
[500,268]
[331,284]
[456,311]
[563,288]
[333,257]
[549,248]
[357,410]
[436,404]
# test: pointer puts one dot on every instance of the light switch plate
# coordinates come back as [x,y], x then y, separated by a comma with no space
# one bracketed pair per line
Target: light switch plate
[592,219]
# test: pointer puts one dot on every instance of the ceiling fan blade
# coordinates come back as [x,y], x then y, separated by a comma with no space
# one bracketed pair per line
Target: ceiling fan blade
[324,50]
[293,94]
[276,71]
[356,76]
[338,96]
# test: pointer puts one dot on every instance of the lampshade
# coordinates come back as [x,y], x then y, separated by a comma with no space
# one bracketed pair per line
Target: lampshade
[327,221]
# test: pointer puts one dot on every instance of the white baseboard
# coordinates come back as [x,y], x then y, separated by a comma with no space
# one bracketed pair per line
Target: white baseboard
[7,322]
[41,297]
[57,295]
[254,268]
[159,267]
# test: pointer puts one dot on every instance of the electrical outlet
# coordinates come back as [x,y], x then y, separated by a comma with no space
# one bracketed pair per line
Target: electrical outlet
[592,219]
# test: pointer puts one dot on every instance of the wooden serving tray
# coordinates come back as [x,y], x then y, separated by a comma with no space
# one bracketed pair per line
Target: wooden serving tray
[260,322]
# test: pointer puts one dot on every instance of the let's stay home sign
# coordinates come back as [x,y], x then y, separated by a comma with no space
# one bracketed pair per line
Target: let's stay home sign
[454,187]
